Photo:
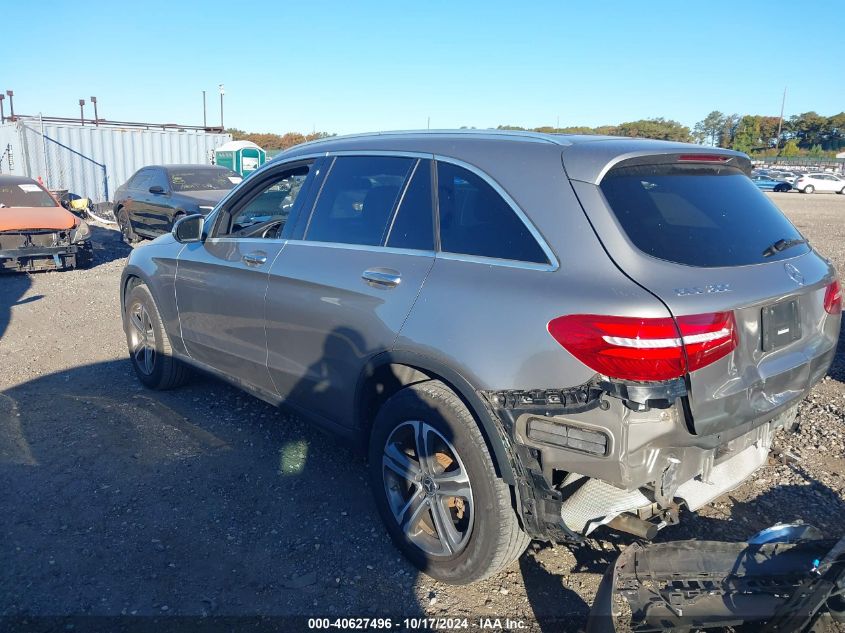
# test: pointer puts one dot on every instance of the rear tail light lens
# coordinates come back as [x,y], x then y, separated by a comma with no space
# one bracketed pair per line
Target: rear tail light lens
[833,298]
[633,348]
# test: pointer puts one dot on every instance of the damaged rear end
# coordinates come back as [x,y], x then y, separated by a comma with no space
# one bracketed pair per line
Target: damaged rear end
[685,401]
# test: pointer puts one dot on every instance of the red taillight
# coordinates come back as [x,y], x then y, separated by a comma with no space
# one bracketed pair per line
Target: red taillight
[833,298]
[633,348]
[704,158]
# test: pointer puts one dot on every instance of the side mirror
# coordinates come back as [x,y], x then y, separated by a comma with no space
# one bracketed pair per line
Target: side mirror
[156,189]
[188,229]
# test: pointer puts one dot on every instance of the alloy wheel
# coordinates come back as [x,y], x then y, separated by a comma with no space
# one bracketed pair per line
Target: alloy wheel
[142,338]
[428,489]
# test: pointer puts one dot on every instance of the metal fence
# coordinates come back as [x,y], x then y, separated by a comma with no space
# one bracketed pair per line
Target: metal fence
[92,161]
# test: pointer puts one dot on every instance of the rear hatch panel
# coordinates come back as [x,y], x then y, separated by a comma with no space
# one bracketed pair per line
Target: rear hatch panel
[756,381]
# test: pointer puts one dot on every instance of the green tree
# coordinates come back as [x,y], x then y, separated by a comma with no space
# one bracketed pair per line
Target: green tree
[790,150]
[708,130]
[726,136]
[658,128]
[747,135]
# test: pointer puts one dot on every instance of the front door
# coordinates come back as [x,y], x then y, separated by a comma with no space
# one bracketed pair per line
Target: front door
[221,282]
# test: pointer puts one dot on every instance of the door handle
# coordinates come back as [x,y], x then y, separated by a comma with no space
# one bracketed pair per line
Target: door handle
[254,259]
[383,277]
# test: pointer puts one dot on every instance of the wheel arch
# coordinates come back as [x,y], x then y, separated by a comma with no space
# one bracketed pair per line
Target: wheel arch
[388,372]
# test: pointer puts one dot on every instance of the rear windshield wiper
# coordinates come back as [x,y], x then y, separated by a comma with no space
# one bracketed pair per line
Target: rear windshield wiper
[782,245]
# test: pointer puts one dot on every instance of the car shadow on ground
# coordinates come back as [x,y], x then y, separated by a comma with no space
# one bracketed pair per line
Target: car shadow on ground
[108,244]
[13,286]
[198,501]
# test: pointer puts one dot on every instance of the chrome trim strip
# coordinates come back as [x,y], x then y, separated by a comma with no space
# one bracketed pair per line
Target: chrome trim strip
[363,247]
[553,261]
[493,261]
[553,264]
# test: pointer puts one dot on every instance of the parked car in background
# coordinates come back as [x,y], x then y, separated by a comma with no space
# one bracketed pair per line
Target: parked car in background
[786,176]
[767,183]
[36,233]
[810,183]
[151,201]
[530,336]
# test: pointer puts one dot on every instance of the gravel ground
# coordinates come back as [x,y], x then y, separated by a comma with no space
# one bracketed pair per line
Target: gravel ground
[205,501]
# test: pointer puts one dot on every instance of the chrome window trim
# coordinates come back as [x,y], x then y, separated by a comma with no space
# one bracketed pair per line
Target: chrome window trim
[538,237]
[553,264]
[364,247]
[495,261]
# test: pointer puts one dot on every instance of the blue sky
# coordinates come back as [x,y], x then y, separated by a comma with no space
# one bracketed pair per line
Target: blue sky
[360,66]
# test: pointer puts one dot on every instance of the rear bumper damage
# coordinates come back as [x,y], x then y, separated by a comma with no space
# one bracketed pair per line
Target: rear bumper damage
[782,579]
[621,455]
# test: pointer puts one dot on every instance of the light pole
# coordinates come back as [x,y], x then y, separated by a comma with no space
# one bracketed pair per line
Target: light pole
[204,123]
[82,111]
[10,94]
[222,92]
[2,116]
[96,118]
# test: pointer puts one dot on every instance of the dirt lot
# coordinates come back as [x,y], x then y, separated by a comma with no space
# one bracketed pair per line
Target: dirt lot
[205,501]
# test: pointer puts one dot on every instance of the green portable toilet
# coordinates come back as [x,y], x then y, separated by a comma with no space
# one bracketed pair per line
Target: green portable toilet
[243,157]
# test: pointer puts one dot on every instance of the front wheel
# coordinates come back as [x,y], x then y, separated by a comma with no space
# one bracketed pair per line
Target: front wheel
[149,347]
[437,490]
[809,189]
[782,188]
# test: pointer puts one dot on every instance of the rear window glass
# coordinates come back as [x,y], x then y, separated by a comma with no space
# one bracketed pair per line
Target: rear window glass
[698,216]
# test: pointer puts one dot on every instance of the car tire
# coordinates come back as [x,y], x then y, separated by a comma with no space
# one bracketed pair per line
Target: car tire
[809,189]
[841,191]
[85,256]
[125,225]
[149,346]
[483,532]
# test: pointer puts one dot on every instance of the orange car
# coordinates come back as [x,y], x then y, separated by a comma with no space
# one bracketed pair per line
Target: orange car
[36,233]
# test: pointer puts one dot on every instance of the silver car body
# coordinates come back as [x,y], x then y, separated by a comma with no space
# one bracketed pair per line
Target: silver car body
[293,322]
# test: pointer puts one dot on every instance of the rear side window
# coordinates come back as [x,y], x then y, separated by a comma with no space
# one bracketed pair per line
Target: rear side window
[476,220]
[698,216]
[357,200]
[413,226]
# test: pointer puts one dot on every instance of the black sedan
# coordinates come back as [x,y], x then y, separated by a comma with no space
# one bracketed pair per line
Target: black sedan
[156,196]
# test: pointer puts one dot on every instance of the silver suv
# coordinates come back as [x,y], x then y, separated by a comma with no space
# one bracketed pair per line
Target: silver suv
[530,336]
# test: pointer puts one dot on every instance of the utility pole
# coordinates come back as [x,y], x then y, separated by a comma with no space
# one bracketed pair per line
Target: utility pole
[82,111]
[780,120]
[204,122]
[10,94]
[2,116]
[222,92]
[96,117]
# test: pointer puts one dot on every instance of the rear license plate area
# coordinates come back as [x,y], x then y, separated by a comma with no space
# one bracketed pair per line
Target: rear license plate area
[781,324]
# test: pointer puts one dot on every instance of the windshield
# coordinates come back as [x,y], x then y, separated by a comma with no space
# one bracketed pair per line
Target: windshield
[203,179]
[24,194]
[696,215]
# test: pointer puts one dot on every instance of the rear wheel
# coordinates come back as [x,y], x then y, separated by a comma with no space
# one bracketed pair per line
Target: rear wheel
[149,347]
[841,191]
[125,224]
[809,189]
[437,490]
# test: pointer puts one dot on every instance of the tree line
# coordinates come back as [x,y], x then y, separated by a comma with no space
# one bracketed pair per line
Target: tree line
[802,134]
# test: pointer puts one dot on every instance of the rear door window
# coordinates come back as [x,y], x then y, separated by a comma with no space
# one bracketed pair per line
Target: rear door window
[476,220]
[703,216]
[357,200]
[413,226]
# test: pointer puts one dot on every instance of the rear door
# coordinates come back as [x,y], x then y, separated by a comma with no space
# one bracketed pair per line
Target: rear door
[699,235]
[341,289]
